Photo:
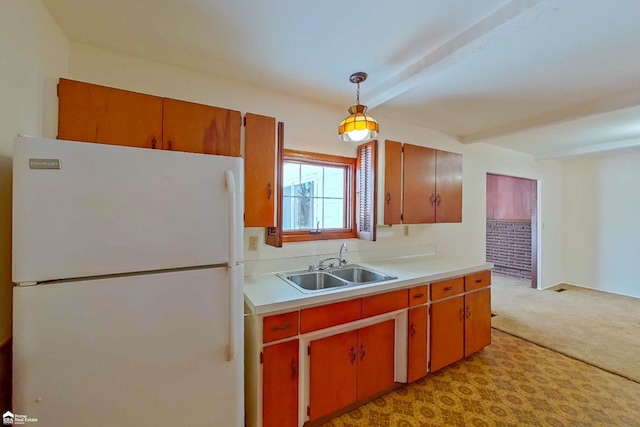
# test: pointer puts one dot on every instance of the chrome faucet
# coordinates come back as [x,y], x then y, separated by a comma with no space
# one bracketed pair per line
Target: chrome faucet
[339,258]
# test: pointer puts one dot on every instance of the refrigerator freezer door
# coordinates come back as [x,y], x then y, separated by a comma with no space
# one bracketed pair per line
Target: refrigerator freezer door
[147,350]
[111,209]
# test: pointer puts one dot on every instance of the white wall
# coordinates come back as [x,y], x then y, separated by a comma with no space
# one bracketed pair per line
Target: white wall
[33,51]
[300,115]
[601,207]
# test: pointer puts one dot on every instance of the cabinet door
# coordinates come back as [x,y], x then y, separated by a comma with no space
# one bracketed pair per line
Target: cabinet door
[447,332]
[333,373]
[92,113]
[280,385]
[375,358]
[259,171]
[478,321]
[198,128]
[392,182]
[419,185]
[417,349]
[448,187]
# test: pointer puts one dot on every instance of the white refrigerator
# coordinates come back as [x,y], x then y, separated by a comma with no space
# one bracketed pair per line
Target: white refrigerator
[128,298]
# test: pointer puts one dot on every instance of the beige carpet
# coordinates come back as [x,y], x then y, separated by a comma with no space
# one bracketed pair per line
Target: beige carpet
[596,327]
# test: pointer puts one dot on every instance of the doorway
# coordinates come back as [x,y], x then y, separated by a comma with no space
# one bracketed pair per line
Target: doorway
[512,232]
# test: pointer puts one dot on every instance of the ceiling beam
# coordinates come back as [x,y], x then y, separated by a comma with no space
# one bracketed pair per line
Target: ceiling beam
[590,149]
[601,106]
[512,17]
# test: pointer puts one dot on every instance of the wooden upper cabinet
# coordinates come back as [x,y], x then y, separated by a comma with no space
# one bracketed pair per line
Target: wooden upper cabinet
[392,182]
[198,128]
[419,185]
[92,113]
[259,171]
[448,187]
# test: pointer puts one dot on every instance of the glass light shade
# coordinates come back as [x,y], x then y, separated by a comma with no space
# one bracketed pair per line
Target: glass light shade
[359,126]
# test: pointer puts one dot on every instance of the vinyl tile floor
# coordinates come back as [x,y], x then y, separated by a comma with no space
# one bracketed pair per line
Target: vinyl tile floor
[510,383]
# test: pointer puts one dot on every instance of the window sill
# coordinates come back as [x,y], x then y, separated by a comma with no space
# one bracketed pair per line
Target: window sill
[324,235]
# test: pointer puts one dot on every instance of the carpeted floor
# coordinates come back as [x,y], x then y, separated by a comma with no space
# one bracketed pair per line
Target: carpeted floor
[598,328]
[510,383]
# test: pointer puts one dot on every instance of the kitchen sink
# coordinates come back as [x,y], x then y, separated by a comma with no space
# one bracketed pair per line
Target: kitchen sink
[358,274]
[314,281]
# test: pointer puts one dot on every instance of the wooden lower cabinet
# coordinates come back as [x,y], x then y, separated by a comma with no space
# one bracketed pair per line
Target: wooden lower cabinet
[447,332]
[280,385]
[417,347]
[351,366]
[477,321]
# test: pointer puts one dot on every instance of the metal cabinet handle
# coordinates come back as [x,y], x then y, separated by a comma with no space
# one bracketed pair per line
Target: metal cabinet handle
[418,296]
[294,369]
[169,145]
[362,352]
[281,327]
[353,354]
[438,200]
[153,143]
[448,288]
[432,199]
[461,314]
[269,191]
[479,281]
[413,329]
[388,198]
[468,312]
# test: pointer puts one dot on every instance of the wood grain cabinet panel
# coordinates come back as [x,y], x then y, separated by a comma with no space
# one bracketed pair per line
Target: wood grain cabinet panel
[418,295]
[447,332]
[279,326]
[477,321]
[259,171]
[392,182]
[198,128]
[325,316]
[333,373]
[419,185]
[477,280]
[447,288]
[280,385]
[448,187]
[417,347]
[384,303]
[375,359]
[105,115]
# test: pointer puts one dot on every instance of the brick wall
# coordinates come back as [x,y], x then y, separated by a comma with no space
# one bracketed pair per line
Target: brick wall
[509,246]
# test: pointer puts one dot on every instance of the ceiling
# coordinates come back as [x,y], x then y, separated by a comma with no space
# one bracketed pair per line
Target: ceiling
[553,78]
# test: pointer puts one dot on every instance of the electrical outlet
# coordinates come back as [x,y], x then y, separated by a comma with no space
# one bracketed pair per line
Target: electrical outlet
[406,230]
[253,243]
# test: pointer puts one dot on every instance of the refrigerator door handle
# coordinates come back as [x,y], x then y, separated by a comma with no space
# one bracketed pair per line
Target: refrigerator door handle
[231,200]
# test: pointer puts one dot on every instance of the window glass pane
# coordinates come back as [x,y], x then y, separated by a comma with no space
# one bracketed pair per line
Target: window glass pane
[334,213]
[313,196]
[334,182]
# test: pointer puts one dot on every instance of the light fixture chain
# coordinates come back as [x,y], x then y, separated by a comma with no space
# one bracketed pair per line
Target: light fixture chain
[358,95]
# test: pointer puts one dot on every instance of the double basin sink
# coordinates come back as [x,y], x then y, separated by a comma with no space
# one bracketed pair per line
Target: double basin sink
[350,275]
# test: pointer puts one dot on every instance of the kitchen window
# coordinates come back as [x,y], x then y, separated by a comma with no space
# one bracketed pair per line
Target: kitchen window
[318,196]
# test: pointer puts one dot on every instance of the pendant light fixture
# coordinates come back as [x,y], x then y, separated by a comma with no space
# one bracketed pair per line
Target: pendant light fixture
[359,126]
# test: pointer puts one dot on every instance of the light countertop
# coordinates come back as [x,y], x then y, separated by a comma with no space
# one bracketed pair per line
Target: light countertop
[268,293]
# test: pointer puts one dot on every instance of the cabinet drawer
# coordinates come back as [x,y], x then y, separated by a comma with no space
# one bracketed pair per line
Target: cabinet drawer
[280,326]
[383,303]
[477,280]
[417,295]
[325,316]
[447,288]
